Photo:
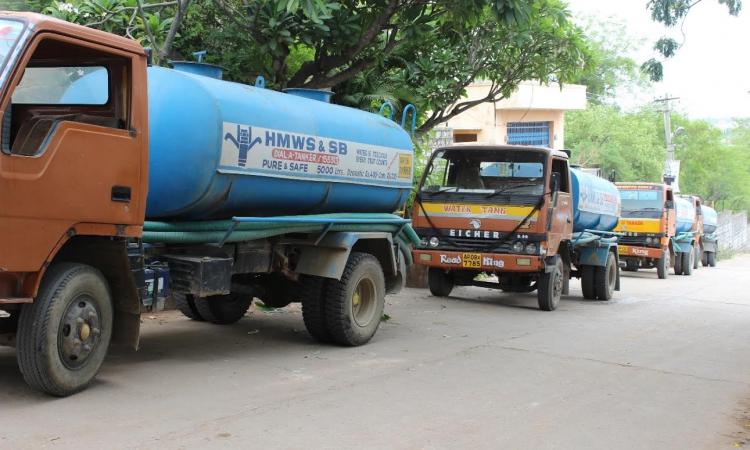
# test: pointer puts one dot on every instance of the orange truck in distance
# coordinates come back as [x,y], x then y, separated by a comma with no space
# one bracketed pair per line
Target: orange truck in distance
[647,225]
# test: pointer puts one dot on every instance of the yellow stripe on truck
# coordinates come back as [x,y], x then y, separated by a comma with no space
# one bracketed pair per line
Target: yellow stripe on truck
[639,225]
[502,212]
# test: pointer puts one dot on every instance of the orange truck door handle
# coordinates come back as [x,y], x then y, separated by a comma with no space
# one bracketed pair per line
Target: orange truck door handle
[121,194]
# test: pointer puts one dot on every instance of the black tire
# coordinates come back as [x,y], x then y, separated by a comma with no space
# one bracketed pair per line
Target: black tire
[223,309]
[588,281]
[313,307]
[439,282]
[678,263]
[631,265]
[186,304]
[662,265]
[63,337]
[712,259]
[704,259]
[605,278]
[354,304]
[687,262]
[697,257]
[550,287]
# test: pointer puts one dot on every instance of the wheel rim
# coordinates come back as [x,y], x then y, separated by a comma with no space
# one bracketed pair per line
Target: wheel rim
[79,333]
[364,302]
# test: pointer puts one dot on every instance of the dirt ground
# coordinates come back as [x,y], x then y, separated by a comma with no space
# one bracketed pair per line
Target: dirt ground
[666,364]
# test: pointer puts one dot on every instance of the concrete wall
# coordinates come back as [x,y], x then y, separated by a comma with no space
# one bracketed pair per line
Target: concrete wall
[532,102]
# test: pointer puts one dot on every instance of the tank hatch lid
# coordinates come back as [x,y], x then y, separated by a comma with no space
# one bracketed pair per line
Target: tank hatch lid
[322,95]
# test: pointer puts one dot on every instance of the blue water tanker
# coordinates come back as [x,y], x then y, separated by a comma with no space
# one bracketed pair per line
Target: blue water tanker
[596,202]
[685,214]
[710,219]
[219,149]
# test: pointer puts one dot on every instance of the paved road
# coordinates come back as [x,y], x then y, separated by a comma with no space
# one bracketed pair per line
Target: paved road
[664,365]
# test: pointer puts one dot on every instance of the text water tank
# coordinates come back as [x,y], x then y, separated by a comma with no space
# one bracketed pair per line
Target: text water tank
[220,149]
[685,211]
[596,202]
[710,219]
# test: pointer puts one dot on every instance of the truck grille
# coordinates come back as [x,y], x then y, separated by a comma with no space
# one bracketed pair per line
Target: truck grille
[462,244]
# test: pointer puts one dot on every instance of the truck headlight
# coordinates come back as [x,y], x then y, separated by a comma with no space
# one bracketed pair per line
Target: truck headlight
[423,243]
[531,248]
[434,242]
[517,247]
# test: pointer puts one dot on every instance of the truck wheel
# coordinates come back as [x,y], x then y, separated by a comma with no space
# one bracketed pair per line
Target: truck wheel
[711,259]
[687,262]
[550,287]
[704,259]
[223,309]
[587,282]
[605,278]
[186,304]
[439,282]
[64,335]
[678,263]
[662,266]
[313,307]
[354,304]
[631,265]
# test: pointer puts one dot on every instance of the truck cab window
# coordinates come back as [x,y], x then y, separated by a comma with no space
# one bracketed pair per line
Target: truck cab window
[64,82]
[561,169]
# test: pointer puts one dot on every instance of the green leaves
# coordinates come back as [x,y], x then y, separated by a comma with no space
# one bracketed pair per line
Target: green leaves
[666,46]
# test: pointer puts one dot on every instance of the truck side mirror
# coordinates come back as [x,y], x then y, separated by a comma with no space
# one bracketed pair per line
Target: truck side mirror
[554,182]
[669,204]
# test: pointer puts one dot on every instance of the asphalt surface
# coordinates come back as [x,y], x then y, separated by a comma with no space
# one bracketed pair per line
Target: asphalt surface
[666,364]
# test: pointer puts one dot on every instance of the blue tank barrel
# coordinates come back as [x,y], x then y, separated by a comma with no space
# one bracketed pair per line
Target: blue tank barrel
[710,219]
[685,214]
[596,202]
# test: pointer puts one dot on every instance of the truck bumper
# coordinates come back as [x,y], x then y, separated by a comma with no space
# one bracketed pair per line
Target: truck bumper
[481,262]
[641,252]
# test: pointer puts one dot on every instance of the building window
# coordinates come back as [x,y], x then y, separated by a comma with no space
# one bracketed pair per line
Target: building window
[465,137]
[529,133]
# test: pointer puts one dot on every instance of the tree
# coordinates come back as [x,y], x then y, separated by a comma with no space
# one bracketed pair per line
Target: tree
[671,13]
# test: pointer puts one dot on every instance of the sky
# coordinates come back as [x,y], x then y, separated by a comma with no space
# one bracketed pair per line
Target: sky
[710,72]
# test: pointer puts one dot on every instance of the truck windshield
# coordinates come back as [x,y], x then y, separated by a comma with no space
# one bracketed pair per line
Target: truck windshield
[641,199]
[10,31]
[470,171]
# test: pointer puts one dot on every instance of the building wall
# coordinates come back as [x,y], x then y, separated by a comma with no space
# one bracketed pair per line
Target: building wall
[532,102]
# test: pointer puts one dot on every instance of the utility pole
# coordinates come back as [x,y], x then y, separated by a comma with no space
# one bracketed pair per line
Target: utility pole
[669,175]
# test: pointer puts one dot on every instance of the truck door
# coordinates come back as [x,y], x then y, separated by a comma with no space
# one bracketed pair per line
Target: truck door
[670,214]
[70,156]
[560,225]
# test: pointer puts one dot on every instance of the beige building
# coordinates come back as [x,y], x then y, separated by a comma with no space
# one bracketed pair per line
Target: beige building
[533,115]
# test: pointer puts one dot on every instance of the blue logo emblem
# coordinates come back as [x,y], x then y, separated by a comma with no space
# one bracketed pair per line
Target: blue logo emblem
[244,142]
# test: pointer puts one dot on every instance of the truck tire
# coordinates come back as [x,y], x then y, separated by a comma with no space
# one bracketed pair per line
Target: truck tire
[678,263]
[605,278]
[223,309]
[439,282]
[550,287]
[704,259]
[63,337]
[687,262]
[186,304]
[313,307]
[588,282]
[662,265]
[711,259]
[354,304]
[631,265]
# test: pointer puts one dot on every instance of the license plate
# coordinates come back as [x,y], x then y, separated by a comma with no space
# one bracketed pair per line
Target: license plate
[471,260]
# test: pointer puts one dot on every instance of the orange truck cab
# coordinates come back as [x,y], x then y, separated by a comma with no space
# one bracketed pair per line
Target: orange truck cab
[647,226]
[507,211]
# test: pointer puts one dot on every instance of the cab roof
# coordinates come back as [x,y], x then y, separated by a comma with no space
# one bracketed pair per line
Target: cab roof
[40,22]
[493,147]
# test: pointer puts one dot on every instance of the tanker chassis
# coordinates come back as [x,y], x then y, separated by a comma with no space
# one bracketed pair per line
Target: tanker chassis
[249,192]
[520,214]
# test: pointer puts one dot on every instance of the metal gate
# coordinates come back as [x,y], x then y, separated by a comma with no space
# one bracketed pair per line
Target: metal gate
[529,133]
